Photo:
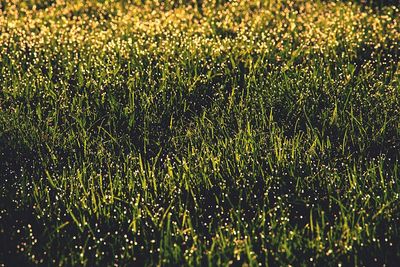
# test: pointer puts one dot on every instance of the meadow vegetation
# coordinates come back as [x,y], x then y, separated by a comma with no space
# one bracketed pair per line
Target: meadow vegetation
[259,133]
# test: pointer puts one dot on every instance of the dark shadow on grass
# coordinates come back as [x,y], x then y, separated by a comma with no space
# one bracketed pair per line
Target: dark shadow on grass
[14,215]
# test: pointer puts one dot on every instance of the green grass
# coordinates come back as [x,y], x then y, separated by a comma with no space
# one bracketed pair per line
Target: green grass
[186,133]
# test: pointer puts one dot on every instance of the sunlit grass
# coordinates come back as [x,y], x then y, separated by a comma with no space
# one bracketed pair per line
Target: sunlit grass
[189,133]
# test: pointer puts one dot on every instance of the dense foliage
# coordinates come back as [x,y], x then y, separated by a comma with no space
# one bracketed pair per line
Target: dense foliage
[199,133]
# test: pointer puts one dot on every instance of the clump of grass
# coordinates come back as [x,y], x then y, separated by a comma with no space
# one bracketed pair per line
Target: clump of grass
[199,133]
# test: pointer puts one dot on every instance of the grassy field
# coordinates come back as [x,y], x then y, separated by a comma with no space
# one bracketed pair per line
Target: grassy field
[245,133]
